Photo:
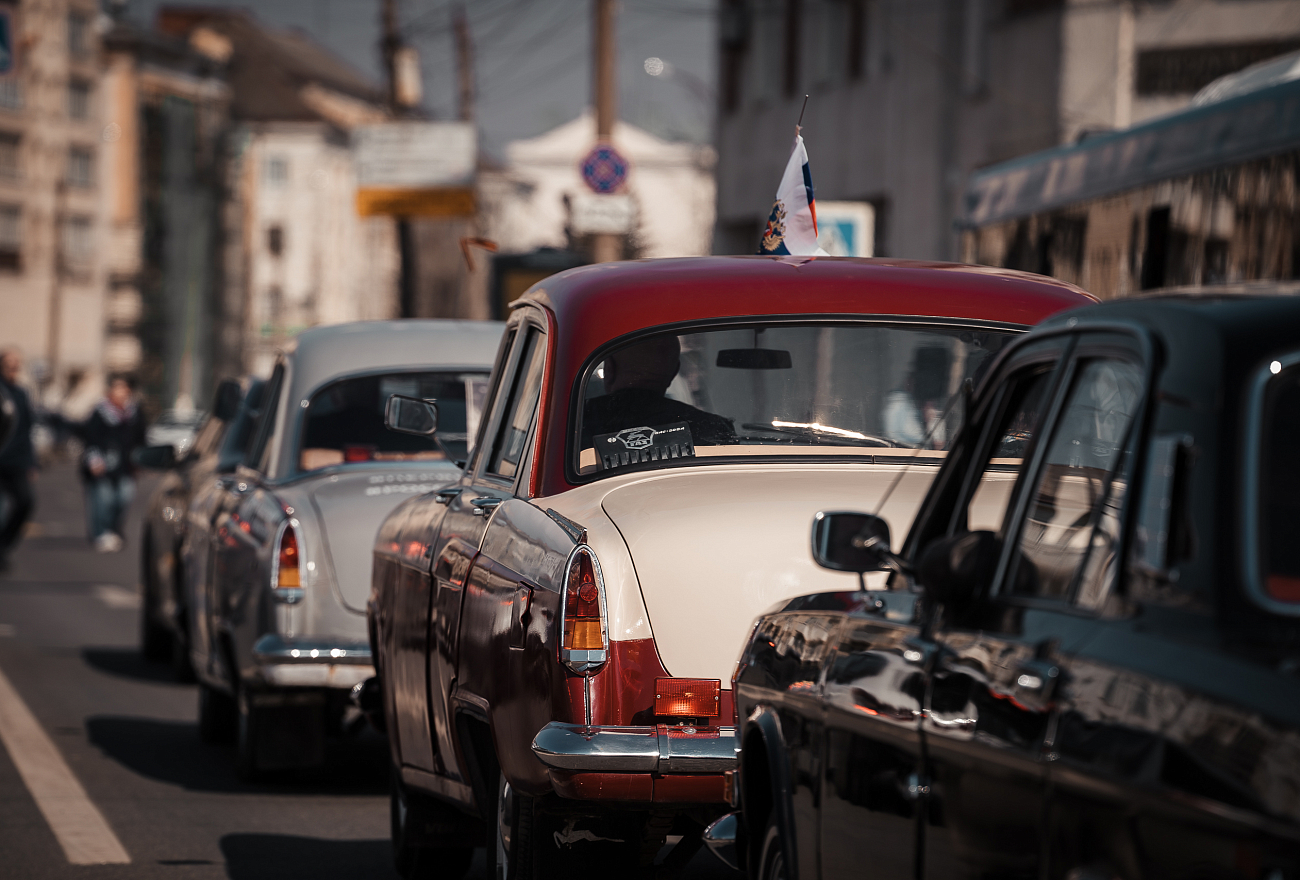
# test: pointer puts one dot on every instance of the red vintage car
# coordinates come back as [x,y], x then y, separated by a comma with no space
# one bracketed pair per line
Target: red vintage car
[553,636]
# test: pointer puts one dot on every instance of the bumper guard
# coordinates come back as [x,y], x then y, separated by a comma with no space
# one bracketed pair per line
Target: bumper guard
[659,749]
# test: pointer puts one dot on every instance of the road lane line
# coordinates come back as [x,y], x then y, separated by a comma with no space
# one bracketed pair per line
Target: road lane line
[82,831]
[117,597]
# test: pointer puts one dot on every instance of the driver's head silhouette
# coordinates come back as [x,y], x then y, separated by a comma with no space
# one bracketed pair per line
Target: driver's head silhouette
[649,366]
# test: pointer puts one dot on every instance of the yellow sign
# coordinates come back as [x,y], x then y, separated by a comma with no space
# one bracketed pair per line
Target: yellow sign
[416,202]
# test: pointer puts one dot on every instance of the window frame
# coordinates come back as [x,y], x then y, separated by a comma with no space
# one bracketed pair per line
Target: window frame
[528,326]
[578,391]
[1252,543]
[1089,344]
[255,458]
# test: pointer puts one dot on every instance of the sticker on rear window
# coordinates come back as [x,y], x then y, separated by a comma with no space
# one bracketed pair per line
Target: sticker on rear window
[646,443]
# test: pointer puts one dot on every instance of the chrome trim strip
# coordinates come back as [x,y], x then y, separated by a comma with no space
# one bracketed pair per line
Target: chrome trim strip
[274,648]
[586,662]
[634,749]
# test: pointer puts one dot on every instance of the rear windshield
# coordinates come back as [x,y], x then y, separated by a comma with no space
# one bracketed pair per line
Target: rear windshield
[344,421]
[778,390]
[1280,486]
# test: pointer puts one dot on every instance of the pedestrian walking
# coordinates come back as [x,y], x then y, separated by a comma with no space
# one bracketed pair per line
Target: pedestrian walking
[112,432]
[17,458]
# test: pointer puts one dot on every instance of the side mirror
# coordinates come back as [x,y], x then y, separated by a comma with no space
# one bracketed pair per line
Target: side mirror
[411,415]
[225,403]
[847,541]
[156,458]
[959,568]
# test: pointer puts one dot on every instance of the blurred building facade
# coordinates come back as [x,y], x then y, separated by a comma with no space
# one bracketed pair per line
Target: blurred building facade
[535,201]
[52,207]
[1207,196]
[293,252]
[168,106]
[909,97]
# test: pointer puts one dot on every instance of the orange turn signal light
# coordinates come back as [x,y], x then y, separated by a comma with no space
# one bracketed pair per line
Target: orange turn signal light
[688,697]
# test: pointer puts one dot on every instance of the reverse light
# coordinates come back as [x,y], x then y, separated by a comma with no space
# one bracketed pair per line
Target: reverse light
[585,643]
[286,578]
[688,697]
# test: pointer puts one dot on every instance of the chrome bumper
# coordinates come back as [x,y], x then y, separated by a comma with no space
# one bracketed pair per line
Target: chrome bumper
[661,749]
[312,662]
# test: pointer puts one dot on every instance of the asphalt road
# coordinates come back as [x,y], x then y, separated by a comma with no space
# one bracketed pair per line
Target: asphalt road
[127,733]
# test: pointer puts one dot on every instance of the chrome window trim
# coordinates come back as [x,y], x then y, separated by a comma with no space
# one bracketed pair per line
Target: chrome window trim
[586,662]
[1252,462]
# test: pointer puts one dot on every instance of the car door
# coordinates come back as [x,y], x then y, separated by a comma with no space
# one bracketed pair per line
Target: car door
[991,705]
[873,697]
[496,590]
[237,536]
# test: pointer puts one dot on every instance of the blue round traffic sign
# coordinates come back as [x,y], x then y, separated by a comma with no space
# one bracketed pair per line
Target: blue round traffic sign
[604,169]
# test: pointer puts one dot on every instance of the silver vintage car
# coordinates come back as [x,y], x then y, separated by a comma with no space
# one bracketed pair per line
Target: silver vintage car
[277,554]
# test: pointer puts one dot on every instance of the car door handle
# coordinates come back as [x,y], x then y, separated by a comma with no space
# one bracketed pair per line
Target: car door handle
[444,496]
[484,503]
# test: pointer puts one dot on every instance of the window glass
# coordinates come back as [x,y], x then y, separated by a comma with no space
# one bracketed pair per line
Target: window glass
[344,421]
[208,437]
[1279,489]
[1075,487]
[779,389]
[1028,398]
[521,407]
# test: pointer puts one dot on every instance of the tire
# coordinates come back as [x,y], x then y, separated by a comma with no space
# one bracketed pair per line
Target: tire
[408,812]
[182,665]
[248,719]
[771,859]
[512,847]
[155,639]
[216,715]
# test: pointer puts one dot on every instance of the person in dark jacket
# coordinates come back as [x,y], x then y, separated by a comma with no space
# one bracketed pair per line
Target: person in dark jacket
[17,458]
[113,431]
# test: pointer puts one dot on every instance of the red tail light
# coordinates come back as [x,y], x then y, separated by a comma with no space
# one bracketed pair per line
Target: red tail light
[585,643]
[688,697]
[358,453]
[286,569]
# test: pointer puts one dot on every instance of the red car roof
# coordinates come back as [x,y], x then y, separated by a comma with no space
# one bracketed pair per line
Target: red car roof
[592,305]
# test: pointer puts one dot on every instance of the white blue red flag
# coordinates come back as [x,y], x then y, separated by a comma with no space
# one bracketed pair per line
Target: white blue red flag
[792,225]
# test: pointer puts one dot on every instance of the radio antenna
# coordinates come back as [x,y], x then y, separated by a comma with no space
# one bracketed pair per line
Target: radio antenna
[798,126]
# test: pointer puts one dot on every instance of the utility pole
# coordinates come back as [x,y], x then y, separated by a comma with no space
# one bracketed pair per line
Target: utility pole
[606,247]
[464,64]
[390,45]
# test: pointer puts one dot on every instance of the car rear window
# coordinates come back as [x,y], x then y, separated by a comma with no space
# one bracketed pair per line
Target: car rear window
[344,421]
[1279,485]
[775,389]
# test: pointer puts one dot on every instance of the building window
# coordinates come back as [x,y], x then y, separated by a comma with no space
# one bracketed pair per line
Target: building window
[828,38]
[275,240]
[277,170]
[9,144]
[11,93]
[11,237]
[79,99]
[80,167]
[1183,71]
[767,50]
[78,246]
[78,34]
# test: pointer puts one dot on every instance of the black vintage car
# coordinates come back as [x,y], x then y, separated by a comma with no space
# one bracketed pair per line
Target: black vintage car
[1102,679]
[217,448]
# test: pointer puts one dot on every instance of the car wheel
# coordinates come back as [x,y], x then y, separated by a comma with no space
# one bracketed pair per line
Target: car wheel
[182,665]
[155,639]
[247,737]
[216,715]
[771,859]
[511,850]
[409,813]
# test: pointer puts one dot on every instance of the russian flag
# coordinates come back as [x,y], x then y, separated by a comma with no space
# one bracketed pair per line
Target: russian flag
[792,225]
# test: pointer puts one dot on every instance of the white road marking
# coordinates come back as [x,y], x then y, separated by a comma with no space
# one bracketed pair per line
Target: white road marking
[78,824]
[117,597]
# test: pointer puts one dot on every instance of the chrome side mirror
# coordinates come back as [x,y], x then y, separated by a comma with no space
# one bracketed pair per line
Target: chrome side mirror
[847,541]
[411,415]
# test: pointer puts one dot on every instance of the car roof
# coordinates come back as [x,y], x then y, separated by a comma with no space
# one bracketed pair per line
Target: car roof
[324,353]
[593,304]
